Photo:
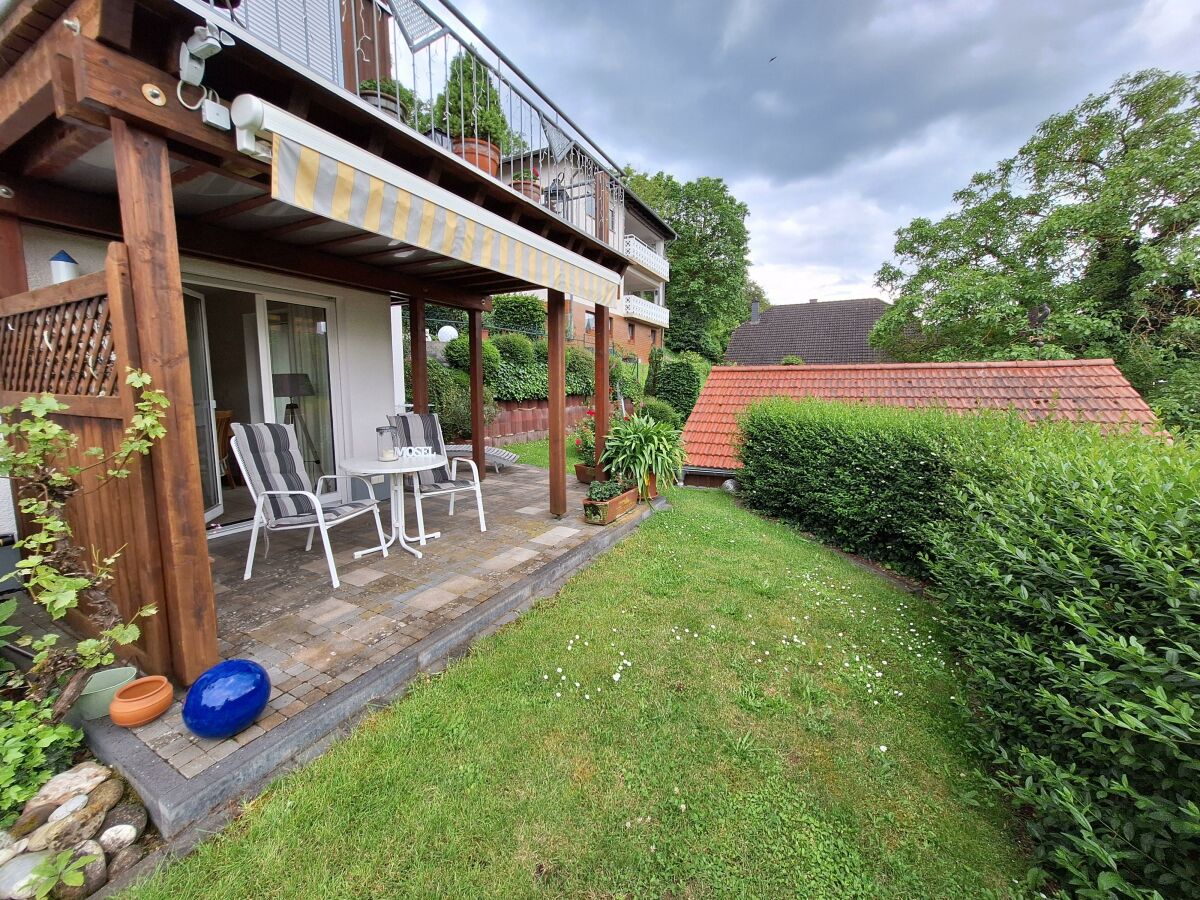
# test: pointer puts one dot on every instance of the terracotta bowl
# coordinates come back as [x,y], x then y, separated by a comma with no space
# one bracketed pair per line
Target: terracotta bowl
[141,701]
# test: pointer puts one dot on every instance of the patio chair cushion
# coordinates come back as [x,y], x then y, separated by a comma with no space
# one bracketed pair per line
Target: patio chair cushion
[333,513]
[496,457]
[422,430]
[273,462]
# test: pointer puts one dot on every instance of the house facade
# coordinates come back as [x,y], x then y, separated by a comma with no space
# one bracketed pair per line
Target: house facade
[249,190]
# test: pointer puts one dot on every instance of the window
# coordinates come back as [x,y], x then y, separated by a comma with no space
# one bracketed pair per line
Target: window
[653,337]
[589,322]
[632,330]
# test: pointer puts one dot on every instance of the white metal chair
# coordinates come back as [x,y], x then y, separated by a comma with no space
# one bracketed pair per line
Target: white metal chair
[425,430]
[284,498]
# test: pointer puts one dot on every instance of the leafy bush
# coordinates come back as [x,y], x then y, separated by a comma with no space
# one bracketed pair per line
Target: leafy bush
[652,369]
[32,749]
[679,385]
[458,356]
[514,348]
[518,312]
[437,316]
[623,375]
[1176,399]
[607,490]
[1068,565]
[1074,591]
[541,351]
[869,479]
[697,362]
[450,398]
[659,411]
[686,335]
[581,364]
[517,383]
[792,360]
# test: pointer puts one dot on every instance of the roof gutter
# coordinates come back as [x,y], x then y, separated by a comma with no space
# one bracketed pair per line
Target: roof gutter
[708,470]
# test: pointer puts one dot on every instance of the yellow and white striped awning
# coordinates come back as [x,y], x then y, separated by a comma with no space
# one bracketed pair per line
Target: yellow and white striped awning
[322,174]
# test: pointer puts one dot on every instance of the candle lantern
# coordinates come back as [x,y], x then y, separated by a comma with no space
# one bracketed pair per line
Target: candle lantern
[385,441]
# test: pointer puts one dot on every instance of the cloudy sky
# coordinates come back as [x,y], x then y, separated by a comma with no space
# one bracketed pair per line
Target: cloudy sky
[873,112]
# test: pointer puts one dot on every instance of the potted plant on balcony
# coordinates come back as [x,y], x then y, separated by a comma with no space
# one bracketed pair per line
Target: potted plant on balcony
[607,501]
[469,108]
[527,182]
[388,96]
[644,451]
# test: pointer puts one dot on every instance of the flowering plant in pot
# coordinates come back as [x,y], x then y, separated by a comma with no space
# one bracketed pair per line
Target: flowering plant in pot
[644,450]
[389,96]
[583,436]
[528,182]
[470,111]
[607,501]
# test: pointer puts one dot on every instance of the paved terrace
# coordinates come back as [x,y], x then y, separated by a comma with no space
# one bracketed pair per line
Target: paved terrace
[332,653]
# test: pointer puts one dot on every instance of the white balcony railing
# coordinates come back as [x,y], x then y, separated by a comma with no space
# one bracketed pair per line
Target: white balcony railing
[647,257]
[645,311]
[422,64]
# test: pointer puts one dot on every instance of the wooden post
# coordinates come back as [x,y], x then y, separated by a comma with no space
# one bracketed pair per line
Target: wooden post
[12,258]
[556,309]
[148,221]
[475,327]
[417,350]
[603,402]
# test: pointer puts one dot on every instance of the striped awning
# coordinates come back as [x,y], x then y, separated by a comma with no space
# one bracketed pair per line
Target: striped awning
[322,174]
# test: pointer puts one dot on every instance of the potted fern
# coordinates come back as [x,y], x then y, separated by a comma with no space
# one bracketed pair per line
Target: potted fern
[388,96]
[644,451]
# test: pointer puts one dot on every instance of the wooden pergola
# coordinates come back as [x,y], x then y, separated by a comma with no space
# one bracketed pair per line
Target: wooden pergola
[93,140]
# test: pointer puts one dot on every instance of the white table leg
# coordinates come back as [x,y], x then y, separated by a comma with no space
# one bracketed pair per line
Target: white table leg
[395,485]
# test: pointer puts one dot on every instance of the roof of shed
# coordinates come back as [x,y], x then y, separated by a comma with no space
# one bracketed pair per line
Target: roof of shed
[829,332]
[1092,390]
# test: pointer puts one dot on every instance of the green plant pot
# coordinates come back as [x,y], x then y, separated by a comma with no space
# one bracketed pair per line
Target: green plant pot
[98,693]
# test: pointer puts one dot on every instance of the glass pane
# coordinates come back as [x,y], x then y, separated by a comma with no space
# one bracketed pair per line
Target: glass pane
[202,400]
[298,337]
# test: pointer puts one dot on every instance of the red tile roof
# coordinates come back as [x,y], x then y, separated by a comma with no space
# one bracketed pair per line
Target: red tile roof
[1093,390]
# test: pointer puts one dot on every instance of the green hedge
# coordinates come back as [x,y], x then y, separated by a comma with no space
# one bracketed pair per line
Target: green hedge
[679,385]
[659,411]
[458,356]
[514,348]
[518,383]
[450,398]
[1068,566]
[524,313]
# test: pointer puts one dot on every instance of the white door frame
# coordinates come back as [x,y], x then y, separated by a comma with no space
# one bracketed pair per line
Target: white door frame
[217,510]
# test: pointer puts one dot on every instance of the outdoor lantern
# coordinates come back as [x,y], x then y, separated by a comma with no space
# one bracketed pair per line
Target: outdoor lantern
[63,267]
[385,442]
[447,333]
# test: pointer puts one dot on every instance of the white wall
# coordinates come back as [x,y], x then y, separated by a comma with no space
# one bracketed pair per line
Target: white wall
[364,352]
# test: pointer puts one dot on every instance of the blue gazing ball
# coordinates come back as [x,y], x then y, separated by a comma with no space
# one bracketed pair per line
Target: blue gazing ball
[227,698]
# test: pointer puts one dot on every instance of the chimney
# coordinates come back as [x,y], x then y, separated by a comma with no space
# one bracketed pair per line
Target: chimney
[753,311]
[812,299]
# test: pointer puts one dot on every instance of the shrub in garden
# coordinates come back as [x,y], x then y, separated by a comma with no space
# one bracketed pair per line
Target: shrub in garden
[652,369]
[437,316]
[517,312]
[514,348]
[623,375]
[659,411]
[679,385]
[541,351]
[581,363]
[1074,590]
[792,360]
[458,356]
[697,362]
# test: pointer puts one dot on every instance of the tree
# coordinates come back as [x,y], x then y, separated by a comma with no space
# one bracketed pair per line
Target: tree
[470,106]
[1095,221]
[707,291]
[755,291]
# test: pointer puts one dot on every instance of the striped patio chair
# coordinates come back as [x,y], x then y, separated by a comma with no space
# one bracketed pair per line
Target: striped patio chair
[425,430]
[284,498]
[496,457]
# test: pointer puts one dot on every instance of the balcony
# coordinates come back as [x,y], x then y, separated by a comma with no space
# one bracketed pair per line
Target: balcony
[422,65]
[642,254]
[644,311]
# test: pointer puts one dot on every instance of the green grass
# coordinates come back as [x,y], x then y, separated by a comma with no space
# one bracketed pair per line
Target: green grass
[739,755]
[537,453]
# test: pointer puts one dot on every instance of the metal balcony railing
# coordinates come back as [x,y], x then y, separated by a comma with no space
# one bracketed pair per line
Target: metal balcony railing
[424,65]
[643,310]
[647,257]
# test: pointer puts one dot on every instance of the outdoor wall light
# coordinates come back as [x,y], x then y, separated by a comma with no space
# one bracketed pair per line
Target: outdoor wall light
[63,267]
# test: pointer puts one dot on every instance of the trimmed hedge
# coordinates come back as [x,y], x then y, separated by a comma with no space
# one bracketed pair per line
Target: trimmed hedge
[514,348]
[458,356]
[517,312]
[659,411]
[516,383]
[1068,565]
[679,385]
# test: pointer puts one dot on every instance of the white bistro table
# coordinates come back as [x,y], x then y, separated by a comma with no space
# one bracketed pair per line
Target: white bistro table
[396,469]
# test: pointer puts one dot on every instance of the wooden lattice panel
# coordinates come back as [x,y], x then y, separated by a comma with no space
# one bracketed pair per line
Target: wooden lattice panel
[66,349]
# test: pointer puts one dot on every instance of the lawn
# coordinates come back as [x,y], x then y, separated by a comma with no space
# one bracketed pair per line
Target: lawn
[717,707]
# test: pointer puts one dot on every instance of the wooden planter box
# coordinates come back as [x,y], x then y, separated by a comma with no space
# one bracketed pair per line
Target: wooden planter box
[585,473]
[602,512]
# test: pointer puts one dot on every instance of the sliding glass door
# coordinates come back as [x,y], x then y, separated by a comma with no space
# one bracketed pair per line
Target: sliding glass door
[202,401]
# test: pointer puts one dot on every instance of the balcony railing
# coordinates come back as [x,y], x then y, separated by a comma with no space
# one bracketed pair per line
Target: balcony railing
[647,257]
[422,64]
[645,311]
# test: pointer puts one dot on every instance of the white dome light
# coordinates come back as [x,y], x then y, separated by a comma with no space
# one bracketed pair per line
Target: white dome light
[447,333]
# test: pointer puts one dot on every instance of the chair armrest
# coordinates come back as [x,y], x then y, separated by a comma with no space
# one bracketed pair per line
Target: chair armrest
[309,494]
[466,459]
[366,484]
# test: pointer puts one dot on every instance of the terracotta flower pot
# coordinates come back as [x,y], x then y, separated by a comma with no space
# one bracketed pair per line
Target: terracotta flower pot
[141,701]
[585,473]
[531,189]
[481,154]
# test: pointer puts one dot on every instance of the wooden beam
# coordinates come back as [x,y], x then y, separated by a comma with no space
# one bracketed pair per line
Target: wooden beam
[475,329]
[344,242]
[188,173]
[556,359]
[64,143]
[236,209]
[417,351]
[291,227]
[148,221]
[13,278]
[603,395]
[27,93]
